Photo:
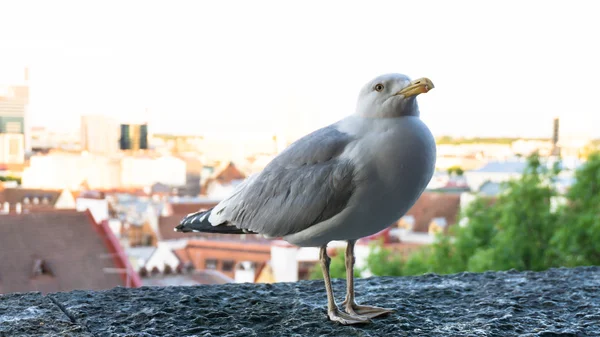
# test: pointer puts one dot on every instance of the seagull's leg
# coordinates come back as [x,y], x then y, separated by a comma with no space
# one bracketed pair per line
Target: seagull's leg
[351,307]
[332,310]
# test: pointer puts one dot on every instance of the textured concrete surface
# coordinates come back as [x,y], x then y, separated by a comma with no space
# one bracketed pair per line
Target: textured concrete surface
[558,302]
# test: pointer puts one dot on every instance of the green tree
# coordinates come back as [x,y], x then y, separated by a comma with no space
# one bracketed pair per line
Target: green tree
[578,238]
[514,231]
[382,261]
[525,223]
[519,229]
[456,170]
[9,178]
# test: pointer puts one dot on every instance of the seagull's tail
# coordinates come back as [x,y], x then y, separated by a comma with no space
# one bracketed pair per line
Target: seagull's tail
[198,222]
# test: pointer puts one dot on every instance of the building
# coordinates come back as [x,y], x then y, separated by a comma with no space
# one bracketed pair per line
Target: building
[60,250]
[193,167]
[43,140]
[12,148]
[95,202]
[225,145]
[134,137]
[526,147]
[32,200]
[145,171]
[433,212]
[495,171]
[14,102]
[220,183]
[99,135]
[226,255]
[68,170]
[11,118]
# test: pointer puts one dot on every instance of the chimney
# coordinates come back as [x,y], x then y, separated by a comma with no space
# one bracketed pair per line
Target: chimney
[18,208]
[555,132]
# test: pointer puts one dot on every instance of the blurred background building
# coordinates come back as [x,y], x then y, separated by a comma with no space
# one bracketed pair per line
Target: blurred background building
[134,137]
[14,131]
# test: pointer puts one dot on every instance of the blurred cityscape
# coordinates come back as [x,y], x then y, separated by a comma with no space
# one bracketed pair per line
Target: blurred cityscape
[96,208]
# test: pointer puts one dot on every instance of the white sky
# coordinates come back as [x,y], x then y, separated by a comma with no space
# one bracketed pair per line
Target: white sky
[500,67]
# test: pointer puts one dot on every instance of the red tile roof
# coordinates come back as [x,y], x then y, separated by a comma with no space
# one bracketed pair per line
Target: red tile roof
[73,248]
[46,199]
[184,209]
[230,173]
[183,255]
[225,176]
[433,205]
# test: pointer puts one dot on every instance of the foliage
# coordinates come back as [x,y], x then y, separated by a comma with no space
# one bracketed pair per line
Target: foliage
[519,229]
[382,261]
[589,149]
[456,170]
[578,239]
[513,231]
[10,178]
[524,223]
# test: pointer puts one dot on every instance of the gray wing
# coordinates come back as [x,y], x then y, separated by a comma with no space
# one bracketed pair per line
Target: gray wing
[304,185]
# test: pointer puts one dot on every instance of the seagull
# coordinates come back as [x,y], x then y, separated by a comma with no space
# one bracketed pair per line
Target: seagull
[345,181]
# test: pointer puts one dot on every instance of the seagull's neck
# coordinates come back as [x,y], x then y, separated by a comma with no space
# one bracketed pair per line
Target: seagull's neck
[405,108]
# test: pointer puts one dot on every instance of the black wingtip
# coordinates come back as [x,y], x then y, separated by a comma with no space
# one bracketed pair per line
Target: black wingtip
[182,229]
[193,220]
[198,222]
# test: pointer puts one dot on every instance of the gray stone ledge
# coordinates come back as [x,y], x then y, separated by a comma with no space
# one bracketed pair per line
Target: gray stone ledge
[557,302]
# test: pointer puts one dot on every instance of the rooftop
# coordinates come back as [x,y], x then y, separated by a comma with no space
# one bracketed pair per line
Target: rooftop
[557,302]
[30,198]
[503,167]
[57,250]
[431,205]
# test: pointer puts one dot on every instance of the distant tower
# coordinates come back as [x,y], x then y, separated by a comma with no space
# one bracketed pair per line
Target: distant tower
[555,131]
[134,137]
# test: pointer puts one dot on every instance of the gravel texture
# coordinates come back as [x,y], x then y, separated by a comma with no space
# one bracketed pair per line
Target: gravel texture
[557,302]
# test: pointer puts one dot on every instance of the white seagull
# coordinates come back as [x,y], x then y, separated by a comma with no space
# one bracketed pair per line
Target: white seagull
[345,181]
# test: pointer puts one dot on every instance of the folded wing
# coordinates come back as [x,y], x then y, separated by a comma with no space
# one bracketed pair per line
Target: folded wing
[306,184]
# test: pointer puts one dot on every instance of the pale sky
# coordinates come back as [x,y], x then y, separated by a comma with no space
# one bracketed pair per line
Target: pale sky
[501,68]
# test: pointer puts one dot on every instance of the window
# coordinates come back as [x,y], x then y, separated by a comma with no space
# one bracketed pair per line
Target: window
[40,267]
[13,147]
[210,264]
[13,127]
[228,265]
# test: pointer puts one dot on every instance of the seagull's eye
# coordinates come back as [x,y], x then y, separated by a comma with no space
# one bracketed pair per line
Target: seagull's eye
[378,87]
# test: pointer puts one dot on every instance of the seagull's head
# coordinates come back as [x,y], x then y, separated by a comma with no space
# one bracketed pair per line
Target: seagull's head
[391,95]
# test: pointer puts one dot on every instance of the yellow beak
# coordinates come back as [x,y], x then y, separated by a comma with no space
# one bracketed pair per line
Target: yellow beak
[416,87]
